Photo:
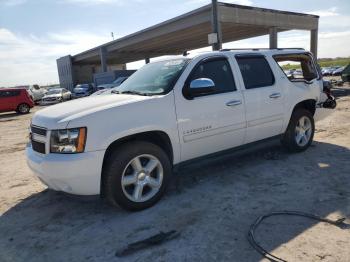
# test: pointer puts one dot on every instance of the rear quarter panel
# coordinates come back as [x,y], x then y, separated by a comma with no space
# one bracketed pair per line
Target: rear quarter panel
[294,92]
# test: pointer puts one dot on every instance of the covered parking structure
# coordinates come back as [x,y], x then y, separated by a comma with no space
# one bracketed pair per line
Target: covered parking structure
[212,24]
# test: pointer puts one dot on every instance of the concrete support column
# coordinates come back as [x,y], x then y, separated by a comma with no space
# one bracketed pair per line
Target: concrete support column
[147,60]
[215,24]
[103,58]
[314,42]
[273,38]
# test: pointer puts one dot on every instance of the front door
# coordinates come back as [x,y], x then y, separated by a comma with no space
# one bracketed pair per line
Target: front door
[213,121]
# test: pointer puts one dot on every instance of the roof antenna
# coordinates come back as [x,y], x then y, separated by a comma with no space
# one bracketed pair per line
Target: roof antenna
[185,53]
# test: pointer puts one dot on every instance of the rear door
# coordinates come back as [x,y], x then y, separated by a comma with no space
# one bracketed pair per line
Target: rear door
[215,121]
[263,97]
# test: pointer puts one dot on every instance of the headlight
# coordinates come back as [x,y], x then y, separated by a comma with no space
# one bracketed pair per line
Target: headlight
[67,141]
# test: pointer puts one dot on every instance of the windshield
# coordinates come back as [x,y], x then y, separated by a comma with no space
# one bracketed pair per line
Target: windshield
[54,92]
[154,79]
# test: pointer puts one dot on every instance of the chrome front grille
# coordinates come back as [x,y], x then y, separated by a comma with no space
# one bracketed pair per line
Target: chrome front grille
[38,130]
[38,139]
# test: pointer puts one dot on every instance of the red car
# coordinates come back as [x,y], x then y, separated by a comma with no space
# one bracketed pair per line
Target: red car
[15,99]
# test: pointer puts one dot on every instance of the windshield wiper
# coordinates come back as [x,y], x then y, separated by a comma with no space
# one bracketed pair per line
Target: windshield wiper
[130,92]
[134,93]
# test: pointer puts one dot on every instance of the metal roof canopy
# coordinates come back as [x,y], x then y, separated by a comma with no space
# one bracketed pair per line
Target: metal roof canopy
[190,31]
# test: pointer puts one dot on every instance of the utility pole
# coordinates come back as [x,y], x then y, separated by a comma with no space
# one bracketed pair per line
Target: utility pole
[216,36]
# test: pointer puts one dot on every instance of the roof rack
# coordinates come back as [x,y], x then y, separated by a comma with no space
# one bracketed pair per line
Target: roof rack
[259,49]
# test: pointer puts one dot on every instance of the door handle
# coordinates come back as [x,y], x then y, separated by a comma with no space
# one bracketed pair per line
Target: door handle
[234,103]
[275,95]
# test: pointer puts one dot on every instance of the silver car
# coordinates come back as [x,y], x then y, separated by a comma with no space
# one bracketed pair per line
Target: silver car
[57,95]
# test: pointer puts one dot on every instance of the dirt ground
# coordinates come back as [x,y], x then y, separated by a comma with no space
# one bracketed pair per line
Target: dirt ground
[210,205]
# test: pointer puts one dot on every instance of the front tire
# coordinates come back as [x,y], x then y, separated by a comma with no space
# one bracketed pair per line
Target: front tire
[136,175]
[300,131]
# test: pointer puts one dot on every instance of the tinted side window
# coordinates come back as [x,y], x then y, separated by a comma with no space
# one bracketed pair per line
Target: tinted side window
[9,93]
[15,93]
[256,72]
[219,71]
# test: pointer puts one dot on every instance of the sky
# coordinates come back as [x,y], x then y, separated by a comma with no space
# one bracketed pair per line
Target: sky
[34,33]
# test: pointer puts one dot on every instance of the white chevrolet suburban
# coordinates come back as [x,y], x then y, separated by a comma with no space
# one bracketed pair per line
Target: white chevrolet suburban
[124,144]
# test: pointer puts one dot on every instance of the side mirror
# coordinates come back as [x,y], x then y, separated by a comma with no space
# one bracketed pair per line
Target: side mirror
[201,86]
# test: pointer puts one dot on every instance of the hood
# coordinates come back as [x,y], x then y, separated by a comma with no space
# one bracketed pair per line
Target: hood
[58,116]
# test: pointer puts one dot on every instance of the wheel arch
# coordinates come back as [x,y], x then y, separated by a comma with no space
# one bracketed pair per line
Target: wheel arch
[157,137]
[22,103]
[308,104]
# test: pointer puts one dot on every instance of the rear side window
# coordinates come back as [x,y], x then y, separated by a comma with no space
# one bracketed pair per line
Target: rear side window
[256,72]
[9,93]
[218,70]
[297,67]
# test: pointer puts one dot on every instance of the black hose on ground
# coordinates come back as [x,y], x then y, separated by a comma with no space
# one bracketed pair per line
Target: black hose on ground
[251,237]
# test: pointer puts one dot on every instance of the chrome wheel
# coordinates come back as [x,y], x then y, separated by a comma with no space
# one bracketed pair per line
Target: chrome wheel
[303,131]
[142,178]
[23,108]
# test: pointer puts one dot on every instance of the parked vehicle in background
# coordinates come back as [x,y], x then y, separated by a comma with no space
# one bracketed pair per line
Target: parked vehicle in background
[110,76]
[57,95]
[294,73]
[35,92]
[345,76]
[38,92]
[82,90]
[30,93]
[115,83]
[15,99]
[103,88]
[124,145]
[338,72]
[328,71]
[48,88]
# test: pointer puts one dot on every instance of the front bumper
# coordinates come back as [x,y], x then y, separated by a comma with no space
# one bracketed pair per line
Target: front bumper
[78,174]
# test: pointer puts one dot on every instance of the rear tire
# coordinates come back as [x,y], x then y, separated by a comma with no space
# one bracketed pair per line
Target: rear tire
[300,131]
[23,109]
[136,175]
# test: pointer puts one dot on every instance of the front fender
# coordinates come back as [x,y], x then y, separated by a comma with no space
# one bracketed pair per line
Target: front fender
[106,126]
